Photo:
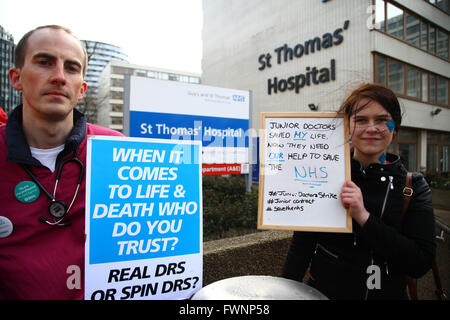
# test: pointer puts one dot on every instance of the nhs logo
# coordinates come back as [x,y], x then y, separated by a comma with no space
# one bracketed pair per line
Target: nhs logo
[238,98]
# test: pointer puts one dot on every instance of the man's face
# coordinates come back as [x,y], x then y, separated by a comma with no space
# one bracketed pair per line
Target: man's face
[51,78]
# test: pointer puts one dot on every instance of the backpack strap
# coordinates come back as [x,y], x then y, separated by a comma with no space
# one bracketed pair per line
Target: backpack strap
[407,192]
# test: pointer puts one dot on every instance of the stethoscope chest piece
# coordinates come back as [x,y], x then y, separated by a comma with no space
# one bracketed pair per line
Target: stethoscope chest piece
[57,209]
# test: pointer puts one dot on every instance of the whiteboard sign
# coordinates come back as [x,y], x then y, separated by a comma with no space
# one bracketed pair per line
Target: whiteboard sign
[305,160]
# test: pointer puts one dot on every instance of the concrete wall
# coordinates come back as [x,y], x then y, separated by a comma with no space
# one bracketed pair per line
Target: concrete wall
[261,253]
[264,253]
[236,33]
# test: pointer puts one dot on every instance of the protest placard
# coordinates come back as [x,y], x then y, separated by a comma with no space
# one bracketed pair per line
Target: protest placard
[305,160]
[143,219]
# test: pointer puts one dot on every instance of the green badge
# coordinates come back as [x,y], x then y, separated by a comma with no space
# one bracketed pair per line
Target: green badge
[26,191]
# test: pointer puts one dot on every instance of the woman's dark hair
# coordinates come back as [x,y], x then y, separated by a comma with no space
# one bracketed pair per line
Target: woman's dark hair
[375,92]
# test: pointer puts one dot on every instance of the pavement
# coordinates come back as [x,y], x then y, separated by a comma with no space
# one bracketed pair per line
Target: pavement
[426,284]
[442,217]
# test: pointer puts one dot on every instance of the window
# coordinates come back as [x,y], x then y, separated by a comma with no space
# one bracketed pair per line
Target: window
[194,80]
[381,70]
[407,153]
[395,76]
[432,152]
[424,86]
[442,91]
[444,5]
[445,158]
[394,20]
[412,29]
[441,4]
[438,152]
[407,134]
[116,108]
[116,120]
[424,36]
[121,70]
[116,95]
[413,82]
[379,15]
[432,158]
[442,44]
[140,73]
[407,148]
[410,81]
[432,89]
[432,38]
[117,83]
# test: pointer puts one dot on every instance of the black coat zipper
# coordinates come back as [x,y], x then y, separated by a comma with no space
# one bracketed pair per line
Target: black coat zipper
[389,187]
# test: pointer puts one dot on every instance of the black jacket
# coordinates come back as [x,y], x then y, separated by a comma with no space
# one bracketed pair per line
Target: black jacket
[398,247]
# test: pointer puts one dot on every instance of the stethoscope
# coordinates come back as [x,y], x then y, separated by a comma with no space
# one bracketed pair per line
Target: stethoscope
[58,208]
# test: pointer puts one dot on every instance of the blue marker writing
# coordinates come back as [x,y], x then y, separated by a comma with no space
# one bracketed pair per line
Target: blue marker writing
[299,135]
[382,158]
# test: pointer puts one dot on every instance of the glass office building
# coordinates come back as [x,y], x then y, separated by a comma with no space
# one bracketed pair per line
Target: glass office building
[9,98]
[99,54]
[111,90]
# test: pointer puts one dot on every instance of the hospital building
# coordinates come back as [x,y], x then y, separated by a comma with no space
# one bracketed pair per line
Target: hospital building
[303,56]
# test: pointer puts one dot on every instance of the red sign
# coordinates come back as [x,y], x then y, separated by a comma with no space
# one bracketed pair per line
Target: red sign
[217,169]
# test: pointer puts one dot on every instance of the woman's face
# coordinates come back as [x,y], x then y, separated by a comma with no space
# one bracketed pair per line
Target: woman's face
[371,130]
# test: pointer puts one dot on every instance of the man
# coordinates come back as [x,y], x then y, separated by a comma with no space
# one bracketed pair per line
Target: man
[42,220]
[3,116]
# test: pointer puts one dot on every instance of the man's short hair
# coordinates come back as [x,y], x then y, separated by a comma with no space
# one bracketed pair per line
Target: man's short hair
[19,54]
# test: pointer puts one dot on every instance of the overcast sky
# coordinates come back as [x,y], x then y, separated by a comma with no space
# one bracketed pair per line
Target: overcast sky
[157,33]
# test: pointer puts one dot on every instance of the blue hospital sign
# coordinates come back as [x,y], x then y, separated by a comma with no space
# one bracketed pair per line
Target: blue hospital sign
[217,117]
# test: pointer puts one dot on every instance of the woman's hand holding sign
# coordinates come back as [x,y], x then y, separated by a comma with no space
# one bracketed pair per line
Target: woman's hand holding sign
[352,199]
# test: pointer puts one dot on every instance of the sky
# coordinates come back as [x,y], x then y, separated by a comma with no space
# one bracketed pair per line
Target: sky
[157,33]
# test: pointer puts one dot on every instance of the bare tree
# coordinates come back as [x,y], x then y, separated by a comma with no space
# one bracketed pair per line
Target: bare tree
[90,102]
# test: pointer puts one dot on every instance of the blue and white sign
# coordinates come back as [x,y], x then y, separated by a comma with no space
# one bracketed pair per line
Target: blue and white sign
[143,218]
[217,117]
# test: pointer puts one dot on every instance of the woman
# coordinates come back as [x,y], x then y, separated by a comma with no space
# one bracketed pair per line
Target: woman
[373,262]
